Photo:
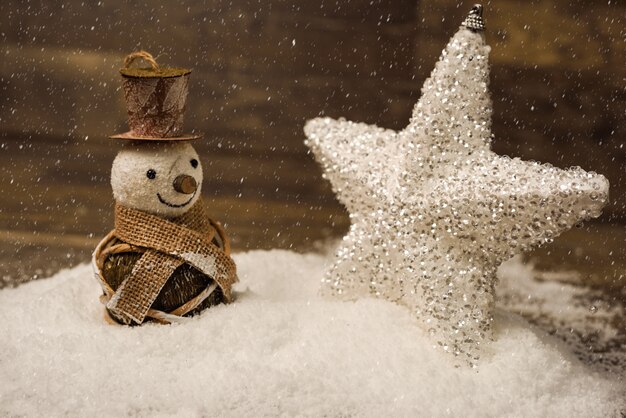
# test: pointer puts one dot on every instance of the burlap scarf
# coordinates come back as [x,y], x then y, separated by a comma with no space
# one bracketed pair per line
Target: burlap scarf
[169,244]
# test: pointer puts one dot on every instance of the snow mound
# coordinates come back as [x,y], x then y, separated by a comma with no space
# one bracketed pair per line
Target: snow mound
[278,350]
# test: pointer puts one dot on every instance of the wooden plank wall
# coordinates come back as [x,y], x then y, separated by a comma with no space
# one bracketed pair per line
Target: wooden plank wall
[262,68]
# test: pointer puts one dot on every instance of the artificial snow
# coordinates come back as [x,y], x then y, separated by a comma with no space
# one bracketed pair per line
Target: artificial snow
[280,349]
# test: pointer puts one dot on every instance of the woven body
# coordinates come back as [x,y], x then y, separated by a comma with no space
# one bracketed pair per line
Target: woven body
[150,267]
[184,284]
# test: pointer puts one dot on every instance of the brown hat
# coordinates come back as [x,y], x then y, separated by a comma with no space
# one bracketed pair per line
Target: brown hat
[156,98]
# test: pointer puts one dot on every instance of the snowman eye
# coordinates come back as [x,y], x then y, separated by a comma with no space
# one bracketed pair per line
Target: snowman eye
[194,163]
[151,174]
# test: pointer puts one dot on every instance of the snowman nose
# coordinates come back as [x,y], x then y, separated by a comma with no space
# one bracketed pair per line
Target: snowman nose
[185,184]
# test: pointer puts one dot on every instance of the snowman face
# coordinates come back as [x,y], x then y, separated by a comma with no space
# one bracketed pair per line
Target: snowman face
[159,178]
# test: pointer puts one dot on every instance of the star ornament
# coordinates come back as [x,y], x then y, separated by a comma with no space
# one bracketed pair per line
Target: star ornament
[434,211]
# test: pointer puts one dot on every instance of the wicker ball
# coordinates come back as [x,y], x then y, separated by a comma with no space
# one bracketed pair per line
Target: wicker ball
[183,285]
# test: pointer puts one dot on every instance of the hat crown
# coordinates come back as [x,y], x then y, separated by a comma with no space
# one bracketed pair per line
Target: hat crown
[156,99]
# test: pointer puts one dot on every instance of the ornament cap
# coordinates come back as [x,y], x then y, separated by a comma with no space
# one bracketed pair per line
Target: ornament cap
[474,20]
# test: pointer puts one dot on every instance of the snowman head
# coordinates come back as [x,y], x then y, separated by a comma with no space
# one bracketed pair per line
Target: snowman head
[160,178]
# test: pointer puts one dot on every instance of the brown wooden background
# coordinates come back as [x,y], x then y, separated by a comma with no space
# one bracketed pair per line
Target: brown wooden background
[261,69]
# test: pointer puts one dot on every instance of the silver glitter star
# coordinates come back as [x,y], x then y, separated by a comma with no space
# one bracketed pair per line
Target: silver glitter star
[434,211]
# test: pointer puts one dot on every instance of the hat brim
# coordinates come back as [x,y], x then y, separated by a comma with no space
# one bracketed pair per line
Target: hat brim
[130,135]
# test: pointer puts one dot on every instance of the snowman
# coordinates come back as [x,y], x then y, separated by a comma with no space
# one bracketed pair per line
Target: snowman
[165,259]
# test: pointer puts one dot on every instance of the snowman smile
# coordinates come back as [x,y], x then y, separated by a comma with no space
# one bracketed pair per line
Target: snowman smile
[173,205]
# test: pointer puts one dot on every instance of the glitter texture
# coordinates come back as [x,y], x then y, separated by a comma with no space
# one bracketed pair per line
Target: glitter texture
[434,211]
